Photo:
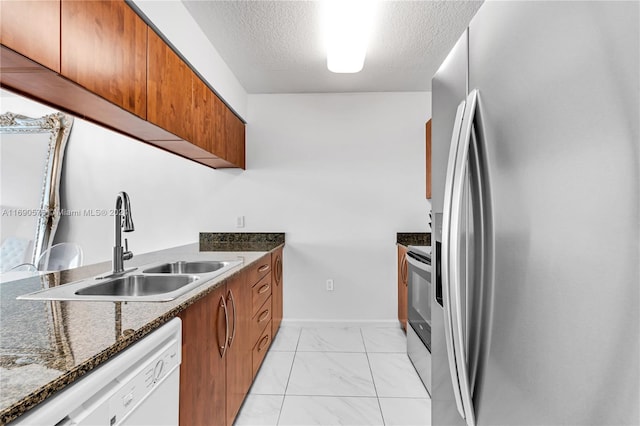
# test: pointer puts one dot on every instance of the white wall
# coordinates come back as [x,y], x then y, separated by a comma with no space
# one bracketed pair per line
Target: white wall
[174,22]
[339,173]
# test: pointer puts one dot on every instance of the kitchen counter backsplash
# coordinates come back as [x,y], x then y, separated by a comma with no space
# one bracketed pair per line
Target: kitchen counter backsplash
[413,238]
[47,345]
[243,241]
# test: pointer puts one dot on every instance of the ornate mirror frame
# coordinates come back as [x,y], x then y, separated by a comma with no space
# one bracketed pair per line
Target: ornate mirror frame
[58,126]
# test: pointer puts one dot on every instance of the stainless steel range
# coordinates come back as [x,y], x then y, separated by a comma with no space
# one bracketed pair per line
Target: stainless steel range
[419,330]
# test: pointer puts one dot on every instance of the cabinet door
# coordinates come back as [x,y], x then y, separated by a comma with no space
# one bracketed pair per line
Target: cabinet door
[204,104]
[239,361]
[169,89]
[402,287]
[235,140]
[276,295]
[202,372]
[104,49]
[32,28]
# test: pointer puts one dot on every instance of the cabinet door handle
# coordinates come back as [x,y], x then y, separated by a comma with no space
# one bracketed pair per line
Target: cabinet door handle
[223,349]
[263,289]
[265,339]
[263,268]
[263,316]
[233,303]
[403,269]
[278,270]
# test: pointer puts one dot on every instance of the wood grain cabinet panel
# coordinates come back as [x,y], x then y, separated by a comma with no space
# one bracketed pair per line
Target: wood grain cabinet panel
[32,28]
[403,288]
[239,353]
[259,269]
[260,293]
[235,140]
[261,348]
[204,119]
[169,89]
[277,291]
[260,320]
[104,49]
[203,369]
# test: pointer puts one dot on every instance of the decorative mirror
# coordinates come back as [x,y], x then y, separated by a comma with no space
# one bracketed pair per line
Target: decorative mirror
[31,153]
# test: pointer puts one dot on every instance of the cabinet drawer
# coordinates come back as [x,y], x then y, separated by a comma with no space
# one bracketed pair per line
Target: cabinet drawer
[261,348]
[260,320]
[259,269]
[260,293]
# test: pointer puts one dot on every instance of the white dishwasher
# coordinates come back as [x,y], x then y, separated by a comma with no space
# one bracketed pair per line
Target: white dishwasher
[139,386]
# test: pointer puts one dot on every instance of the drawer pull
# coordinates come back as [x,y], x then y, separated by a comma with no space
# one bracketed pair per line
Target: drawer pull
[263,316]
[265,339]
[263,268]
[263,289]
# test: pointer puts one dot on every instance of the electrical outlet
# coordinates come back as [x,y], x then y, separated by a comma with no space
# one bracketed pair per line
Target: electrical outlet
[329,285]
[240,222]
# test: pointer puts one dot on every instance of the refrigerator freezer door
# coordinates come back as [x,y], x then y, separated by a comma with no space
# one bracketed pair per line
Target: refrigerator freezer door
[449,87]
[560,105]
[449,90]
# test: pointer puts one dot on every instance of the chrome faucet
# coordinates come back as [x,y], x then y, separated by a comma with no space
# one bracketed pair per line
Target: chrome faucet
[124,222]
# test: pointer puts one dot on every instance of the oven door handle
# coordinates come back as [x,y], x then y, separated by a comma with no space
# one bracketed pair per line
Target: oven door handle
[418,264]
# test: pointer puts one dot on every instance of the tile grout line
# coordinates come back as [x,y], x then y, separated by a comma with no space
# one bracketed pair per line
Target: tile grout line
[373,380]
[295,352]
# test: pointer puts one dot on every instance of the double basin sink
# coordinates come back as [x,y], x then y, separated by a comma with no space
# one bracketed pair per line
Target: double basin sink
[155,283]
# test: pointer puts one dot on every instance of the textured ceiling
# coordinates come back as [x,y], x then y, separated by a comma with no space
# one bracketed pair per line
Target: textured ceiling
[276,46]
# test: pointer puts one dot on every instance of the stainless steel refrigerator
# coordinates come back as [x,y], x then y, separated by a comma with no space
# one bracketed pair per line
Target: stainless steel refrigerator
[535,168]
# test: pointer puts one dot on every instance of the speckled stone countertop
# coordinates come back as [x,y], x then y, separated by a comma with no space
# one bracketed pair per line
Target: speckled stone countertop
[413,238]
[46,345]
[246,241]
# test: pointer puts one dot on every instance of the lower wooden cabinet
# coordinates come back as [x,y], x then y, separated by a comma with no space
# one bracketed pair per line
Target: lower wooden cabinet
[225,337]
[276,295]
[238,356]
[261,348]
[403,294]
[203,369]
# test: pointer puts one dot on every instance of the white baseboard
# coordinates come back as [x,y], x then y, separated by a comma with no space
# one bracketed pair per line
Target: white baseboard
[315,323]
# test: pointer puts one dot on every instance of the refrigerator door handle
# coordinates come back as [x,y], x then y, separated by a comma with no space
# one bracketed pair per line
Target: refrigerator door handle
[455,287]
[445,261]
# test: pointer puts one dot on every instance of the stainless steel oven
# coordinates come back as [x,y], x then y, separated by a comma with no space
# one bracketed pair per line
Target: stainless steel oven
[419,330]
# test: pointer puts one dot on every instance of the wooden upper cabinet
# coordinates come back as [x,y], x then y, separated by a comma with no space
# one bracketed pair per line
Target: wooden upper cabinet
[104,49]
[169,89]
[235,141]
[32,28]
[428,167]
[204,101]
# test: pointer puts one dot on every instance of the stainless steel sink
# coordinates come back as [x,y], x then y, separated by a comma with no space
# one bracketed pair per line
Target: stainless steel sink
[160,282]
[138,285]
[183,267]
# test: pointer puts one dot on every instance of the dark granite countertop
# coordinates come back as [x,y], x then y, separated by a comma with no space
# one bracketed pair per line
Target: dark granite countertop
[245,241]
[413,238]
[46,345]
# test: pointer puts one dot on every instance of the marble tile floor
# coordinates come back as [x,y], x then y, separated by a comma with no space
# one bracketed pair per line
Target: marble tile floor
[337,376]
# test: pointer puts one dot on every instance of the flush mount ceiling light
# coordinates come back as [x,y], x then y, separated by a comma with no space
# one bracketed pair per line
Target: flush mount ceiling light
[347,26]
